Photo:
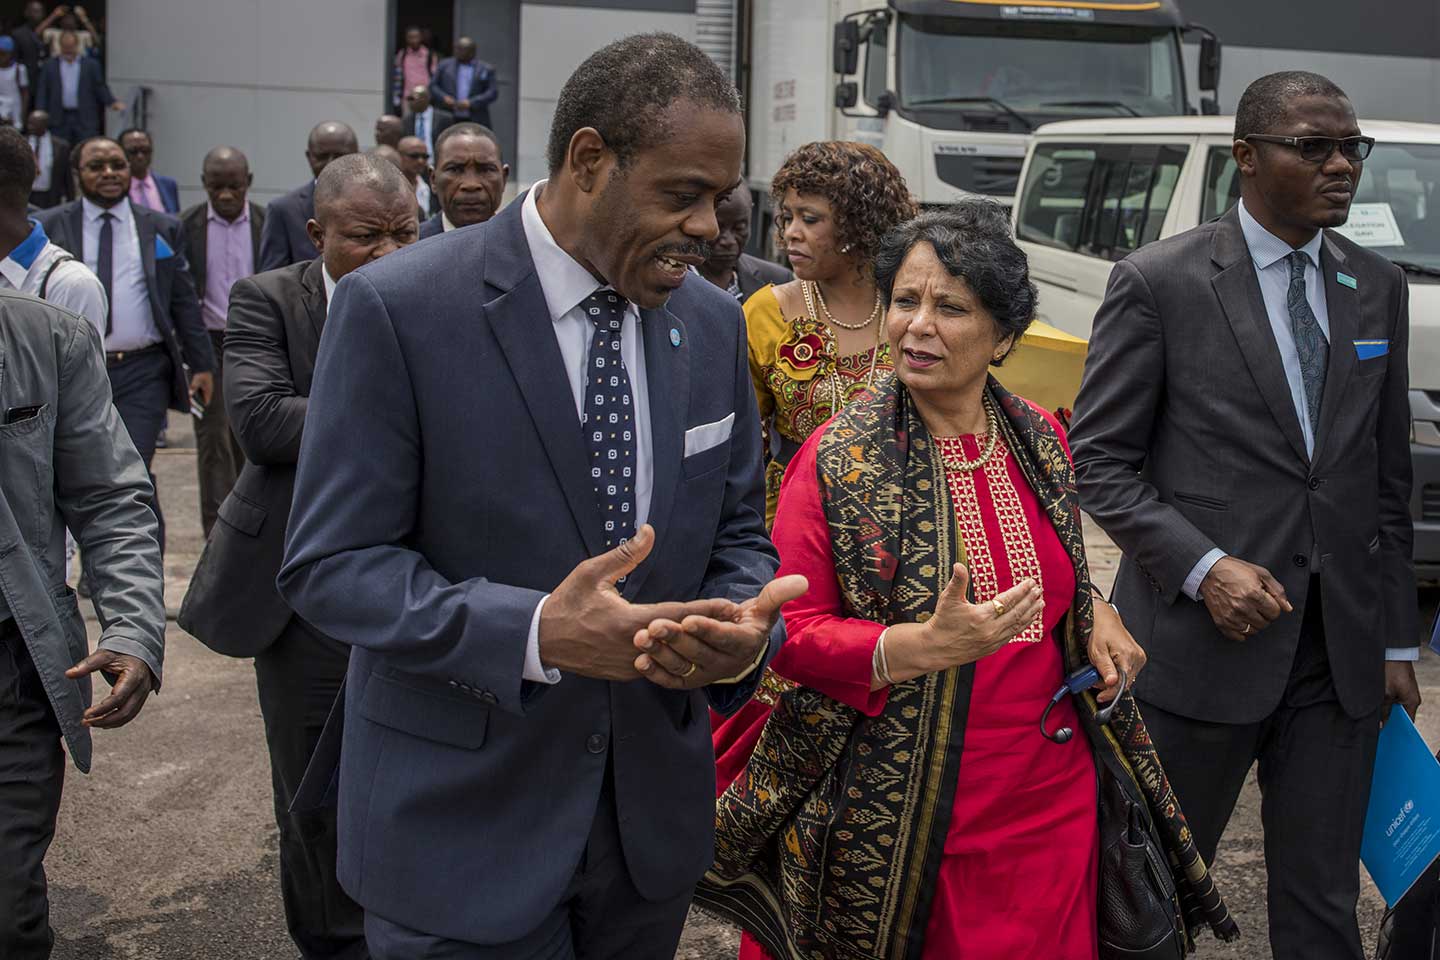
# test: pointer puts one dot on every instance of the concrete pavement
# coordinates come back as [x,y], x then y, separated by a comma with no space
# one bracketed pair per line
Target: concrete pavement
[167,851]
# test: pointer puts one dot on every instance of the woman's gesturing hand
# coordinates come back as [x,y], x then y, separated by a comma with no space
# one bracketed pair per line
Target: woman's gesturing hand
[1112,647]
[960,632]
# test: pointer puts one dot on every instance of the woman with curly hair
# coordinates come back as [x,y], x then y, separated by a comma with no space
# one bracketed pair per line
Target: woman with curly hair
[816,342]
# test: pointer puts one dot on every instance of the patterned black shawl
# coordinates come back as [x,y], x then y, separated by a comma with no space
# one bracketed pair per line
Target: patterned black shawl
[829,844]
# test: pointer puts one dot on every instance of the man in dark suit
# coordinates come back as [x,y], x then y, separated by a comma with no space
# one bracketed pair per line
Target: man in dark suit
[495,580]
[425,120]
[156,349]
[73,91]
[285,239]
[223,246]
[729,267]
[1242,434]
[52,183]
[470,176]
[148,188]
[464,85]
[30,50]
[232,605]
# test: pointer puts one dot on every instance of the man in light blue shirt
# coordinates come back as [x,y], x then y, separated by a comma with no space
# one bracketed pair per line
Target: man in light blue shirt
[1242,433]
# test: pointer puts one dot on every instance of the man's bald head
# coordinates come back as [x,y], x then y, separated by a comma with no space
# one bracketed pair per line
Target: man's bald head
[388,130]
[364,209]
[327,142]
[225,175]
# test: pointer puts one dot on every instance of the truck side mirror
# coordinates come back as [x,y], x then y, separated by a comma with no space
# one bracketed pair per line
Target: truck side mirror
[1209,65]
[847,94]
[847,47]
[885,103]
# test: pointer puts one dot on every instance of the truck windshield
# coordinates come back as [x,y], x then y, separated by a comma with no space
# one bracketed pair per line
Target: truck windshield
[1006,75]
[1396,211]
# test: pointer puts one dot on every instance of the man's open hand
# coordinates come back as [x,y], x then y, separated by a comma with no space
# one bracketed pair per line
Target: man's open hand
[704,648]
[586,627]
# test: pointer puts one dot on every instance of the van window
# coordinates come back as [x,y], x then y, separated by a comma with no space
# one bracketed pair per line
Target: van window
[876,61]
[1104,201]
[1222,184]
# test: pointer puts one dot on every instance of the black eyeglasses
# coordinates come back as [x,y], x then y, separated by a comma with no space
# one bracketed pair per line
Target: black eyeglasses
[1319,149]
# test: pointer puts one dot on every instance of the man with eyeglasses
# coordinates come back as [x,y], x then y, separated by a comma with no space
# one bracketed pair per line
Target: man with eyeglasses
[157,352]
[1242,433]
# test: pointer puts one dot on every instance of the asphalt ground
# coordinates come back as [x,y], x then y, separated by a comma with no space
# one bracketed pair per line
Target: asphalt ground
[168,850]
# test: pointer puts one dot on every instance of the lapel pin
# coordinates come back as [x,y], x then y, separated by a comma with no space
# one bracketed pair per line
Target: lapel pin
[674,337]
[1346,279]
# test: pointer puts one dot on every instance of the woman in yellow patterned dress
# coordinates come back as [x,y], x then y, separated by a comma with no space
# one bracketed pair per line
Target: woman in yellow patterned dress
[816,342]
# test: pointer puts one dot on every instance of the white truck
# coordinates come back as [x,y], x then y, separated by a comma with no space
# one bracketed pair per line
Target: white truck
[1093,191]
[951,90]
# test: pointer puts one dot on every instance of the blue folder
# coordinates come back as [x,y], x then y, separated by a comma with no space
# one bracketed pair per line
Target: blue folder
[1402,824]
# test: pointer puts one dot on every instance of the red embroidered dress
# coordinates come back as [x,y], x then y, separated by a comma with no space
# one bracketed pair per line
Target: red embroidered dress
[1019,875]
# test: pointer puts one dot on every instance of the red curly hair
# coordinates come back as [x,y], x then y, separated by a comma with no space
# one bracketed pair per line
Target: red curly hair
[866,192]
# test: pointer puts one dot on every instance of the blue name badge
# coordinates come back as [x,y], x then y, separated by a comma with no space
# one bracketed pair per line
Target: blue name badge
[1402,823]
[162,249]
[1370,349]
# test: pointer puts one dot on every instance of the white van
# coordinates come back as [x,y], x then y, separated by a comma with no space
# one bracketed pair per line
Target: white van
[1092,191]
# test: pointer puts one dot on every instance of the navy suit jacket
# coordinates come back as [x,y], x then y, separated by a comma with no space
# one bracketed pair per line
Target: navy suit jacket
[483,89]
[443,490]
[169,194]
[173,300]
[94,94]
[283,239]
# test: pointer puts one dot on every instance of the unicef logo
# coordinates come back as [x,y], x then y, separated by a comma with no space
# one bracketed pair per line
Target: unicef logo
[1399,821]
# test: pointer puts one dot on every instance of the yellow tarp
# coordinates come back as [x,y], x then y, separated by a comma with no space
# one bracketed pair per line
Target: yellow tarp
[1045,368]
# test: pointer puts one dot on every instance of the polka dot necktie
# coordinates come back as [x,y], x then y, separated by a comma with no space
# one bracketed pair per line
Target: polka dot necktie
[609,421]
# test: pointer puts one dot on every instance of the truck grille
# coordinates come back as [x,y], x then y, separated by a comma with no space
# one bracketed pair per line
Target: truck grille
[1430,502]
[992,176]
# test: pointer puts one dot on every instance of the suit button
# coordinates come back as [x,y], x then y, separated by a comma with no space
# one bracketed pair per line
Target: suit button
[595,743]
[489,698]
[1314,483]
[455,683]
[1301,560]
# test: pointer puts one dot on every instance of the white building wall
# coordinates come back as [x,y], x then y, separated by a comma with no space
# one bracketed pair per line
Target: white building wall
[254,74]
[553,41]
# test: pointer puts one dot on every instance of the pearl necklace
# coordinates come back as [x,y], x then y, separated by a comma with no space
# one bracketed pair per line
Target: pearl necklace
[830,317]
[970,466]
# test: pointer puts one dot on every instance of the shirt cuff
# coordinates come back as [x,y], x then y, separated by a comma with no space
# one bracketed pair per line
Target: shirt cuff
[1402,653]
[535,671]
[1191,586]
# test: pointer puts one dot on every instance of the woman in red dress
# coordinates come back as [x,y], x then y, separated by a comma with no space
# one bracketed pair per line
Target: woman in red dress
[902,801]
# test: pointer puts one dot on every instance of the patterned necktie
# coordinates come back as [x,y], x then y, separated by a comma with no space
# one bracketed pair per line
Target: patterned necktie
[609,422]
[1310,340]
[104,264]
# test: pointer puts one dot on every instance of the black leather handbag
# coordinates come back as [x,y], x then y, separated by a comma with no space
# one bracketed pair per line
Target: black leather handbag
[1139,912]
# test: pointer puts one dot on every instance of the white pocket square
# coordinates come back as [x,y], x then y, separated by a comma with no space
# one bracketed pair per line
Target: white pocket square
[707,435]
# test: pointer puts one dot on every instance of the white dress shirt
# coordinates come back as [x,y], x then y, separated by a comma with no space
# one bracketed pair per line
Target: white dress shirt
[71,285]
[445,225]
[44,150]
[329,287]
[566,284]
[1272,269]
[422,195]
[425,128]
[132,324]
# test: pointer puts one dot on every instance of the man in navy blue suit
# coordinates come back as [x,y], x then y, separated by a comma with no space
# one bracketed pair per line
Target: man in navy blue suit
[530,499]
[464,85]
[148,188]
[73,91]
[157,352]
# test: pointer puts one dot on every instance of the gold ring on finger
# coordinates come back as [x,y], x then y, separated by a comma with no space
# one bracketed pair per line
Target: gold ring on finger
[999,607]
[688,672]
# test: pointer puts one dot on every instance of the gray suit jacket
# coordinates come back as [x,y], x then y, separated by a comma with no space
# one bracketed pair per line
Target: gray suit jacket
[1186,439]
[66,460]
[272,335]
[752,273]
